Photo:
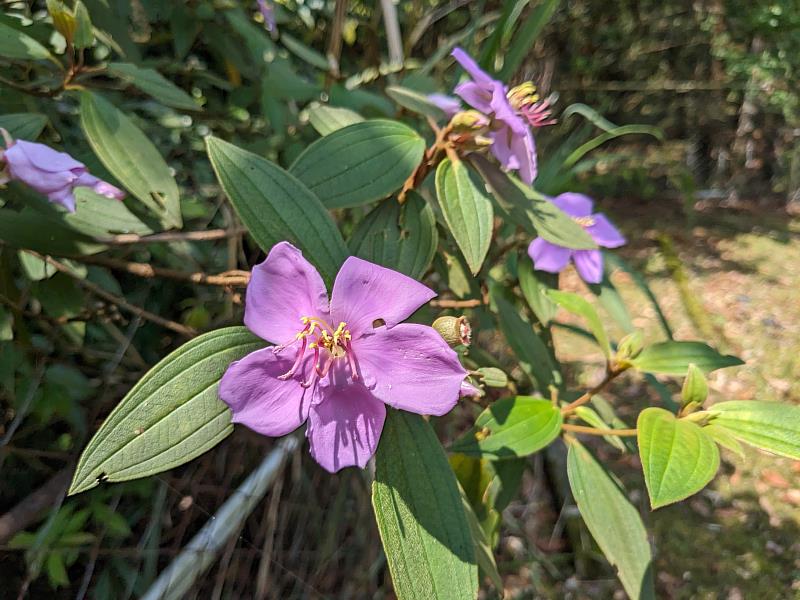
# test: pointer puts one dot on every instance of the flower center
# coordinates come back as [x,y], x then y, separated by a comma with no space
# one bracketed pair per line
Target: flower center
[525,100]
[328,344]
[584,222]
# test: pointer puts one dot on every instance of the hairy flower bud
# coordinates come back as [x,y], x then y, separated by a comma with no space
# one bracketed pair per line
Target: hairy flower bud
[456,331]
[630,346]
[469,120]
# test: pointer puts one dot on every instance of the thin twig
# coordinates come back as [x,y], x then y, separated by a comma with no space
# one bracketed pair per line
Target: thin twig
[457,303]
[611,374]
[173,236]
[227,279]
[121,302]
[595,431]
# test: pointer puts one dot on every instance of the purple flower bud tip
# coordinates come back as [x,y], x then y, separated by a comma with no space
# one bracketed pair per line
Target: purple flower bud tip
[552,258]
[268,12]
[337,363]
[51,173]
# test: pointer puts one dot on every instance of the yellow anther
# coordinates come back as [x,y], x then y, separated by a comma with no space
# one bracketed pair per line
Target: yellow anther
[523,94]
[587,221]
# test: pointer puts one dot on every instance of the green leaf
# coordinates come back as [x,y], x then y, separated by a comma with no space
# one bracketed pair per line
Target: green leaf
[154,84]
[612,520]
[592,417]
[23,126]
[534,285]
[678,457]
[305,53]
[493,377]
[359,163]
[6,325]
[725,438]
[170,416]
[18,45]
[327,119]
[275,206]
[674,358]
[130,157]
[510,428]
[28,229]
[612,301]
[402,237]
[483,549]
[771,426]
[695,387]
[420,516]
[56,570]
[84,32]
[531,210]
[98,216]
[466,210]
[532,353]
[415,102]
[524,38]
[581,307]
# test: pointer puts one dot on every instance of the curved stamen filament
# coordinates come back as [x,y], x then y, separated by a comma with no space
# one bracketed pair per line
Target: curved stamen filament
[298,359]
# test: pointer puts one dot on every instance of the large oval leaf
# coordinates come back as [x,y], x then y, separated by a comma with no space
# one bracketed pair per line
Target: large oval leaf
[771,426]
[511,428]
[154,84]
[327,119]
[170,416]
[678,457]
[19,45]
[130,157]
[275,206]
[97,216]
[467,210]
[420,515]
[612,520]
[674,358]
[532,353]
[23,126]
[531,210]
[402,237]
[359,163]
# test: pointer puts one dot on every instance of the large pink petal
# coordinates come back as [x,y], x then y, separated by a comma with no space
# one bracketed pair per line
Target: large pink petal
[344,426]
[604,233]
[261,401]
[470,66]
[410,367]
[575,205]
[548,257]
[47,159]
[525,150]
[282,290]
[589,264]
[476,95]
[365,292]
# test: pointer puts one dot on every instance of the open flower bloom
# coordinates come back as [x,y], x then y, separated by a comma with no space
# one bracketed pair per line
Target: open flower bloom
[512,113]
[51,173]
[337,364]
[549,257]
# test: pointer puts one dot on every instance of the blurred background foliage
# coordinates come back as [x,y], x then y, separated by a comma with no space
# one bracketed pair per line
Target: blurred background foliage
[718,77]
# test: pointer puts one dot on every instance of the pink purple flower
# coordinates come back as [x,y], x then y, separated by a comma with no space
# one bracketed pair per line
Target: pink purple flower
[337,363]
[552,258]
[448,104]
[268,12]
[512,112]
[51,173]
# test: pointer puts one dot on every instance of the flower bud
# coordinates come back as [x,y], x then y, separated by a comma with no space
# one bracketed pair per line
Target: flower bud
[469,120]
[630,346]
[456,331]
[63,20]
[695,389]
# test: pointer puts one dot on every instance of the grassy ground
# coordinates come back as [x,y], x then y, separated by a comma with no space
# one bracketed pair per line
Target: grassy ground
[739,538]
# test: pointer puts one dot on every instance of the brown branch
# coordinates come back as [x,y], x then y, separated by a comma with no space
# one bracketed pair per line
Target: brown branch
[121,302]
[31,507]
[173,236]
[457,303]
[595,431]
[612,373]
[227,279]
